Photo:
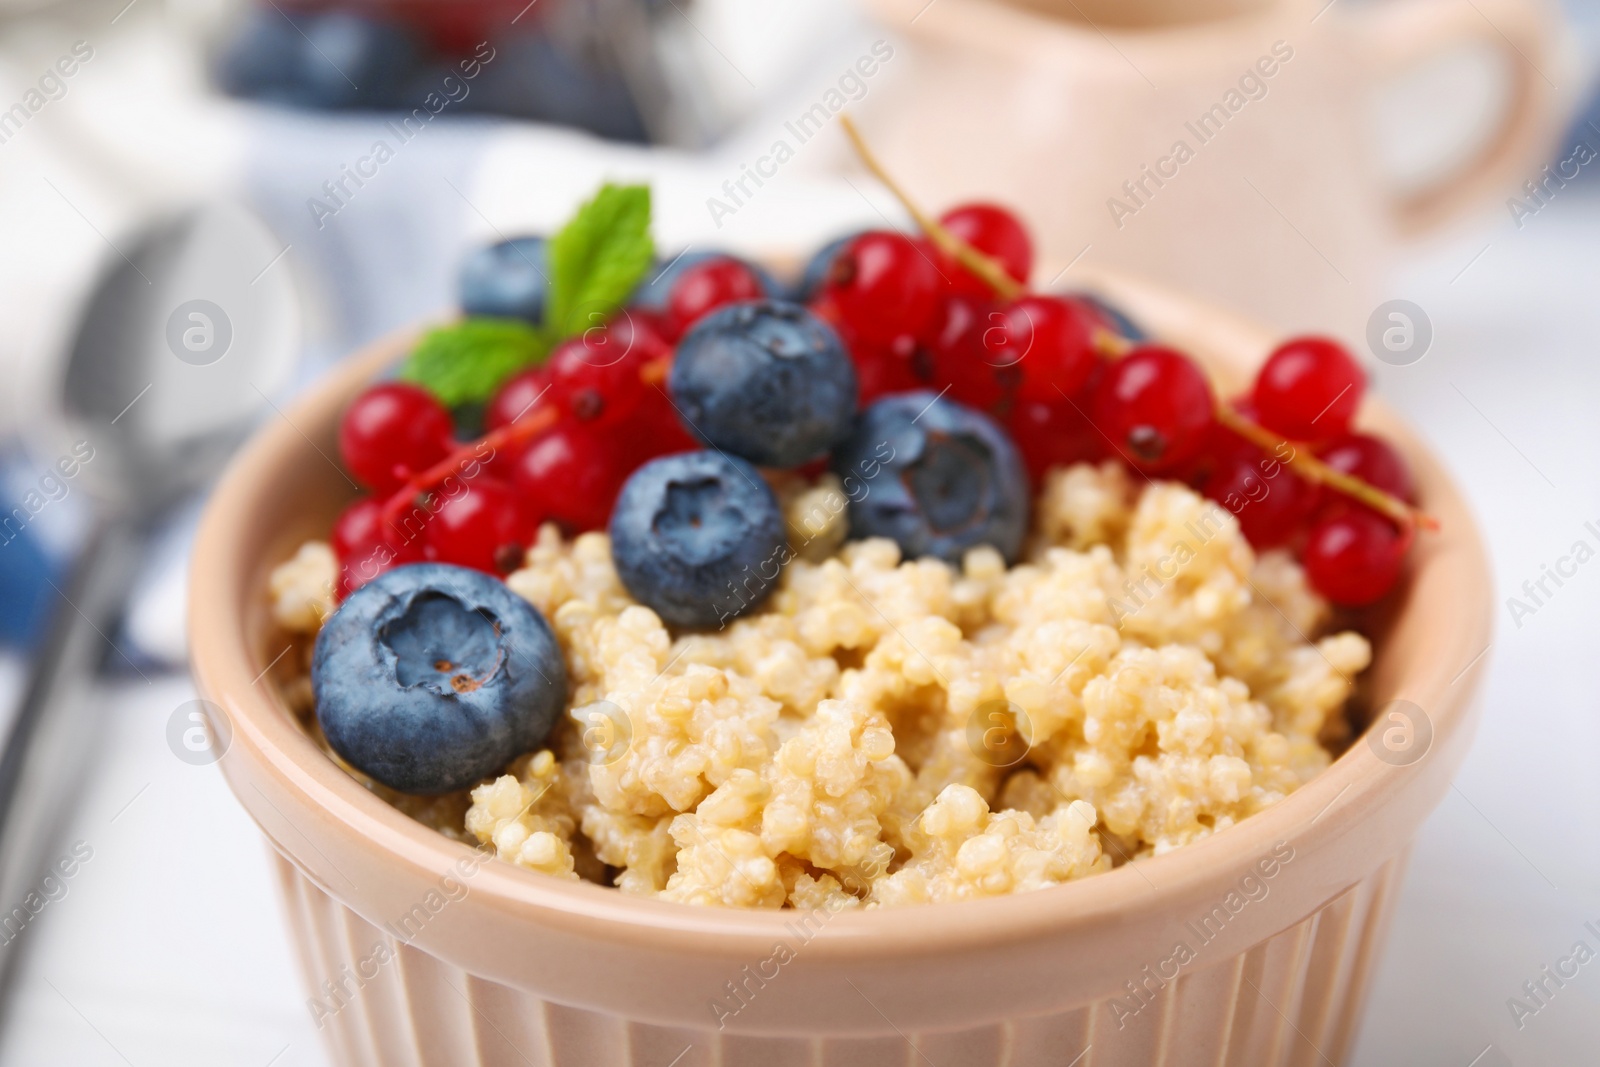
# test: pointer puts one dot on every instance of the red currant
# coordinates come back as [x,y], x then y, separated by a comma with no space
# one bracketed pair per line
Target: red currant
[825,308]
[883,285]
[1270,501]
[1355,557]
[1309,389]
[1223,443]
[658,431]
[392,431]
[1156,406]
[457,29]
[1373,461]
[517,397]
[595,376]
[573,477]
[1054,435]
[1048,338]
[706,286]
[1224,447]
[639,333]
[895,366]
[995,232]
[955,346]
[643,316]
[486,526]
[366,547]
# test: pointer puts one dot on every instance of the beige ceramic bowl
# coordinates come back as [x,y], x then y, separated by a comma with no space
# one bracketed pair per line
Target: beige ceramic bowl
[501,966]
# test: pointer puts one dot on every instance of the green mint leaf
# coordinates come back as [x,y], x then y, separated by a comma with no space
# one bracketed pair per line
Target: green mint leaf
[594,263]
[466,362]
[598,258]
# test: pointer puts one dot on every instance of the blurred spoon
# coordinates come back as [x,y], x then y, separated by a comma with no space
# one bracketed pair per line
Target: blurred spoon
[181,343]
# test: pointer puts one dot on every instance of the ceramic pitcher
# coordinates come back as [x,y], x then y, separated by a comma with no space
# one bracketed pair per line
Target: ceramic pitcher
[1224,146]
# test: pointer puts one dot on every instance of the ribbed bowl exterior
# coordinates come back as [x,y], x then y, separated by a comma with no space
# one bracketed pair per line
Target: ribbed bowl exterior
[1291,1000]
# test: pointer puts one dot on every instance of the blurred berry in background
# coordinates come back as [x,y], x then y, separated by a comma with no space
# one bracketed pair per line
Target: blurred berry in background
[580,63]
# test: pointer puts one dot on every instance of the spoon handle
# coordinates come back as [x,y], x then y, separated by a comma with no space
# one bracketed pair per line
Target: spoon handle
[56,729]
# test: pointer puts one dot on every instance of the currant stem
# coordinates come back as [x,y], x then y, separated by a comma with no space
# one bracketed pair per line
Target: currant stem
[1111,345]
[517,432]
[985,267]
[655,372]
[1319,472]
[524,429]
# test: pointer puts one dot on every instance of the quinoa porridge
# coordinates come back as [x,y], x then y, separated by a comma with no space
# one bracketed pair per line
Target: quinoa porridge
[885,731]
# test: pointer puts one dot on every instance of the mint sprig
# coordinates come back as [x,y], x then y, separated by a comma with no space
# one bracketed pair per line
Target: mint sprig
[595,262]
[465,362]
[598,258]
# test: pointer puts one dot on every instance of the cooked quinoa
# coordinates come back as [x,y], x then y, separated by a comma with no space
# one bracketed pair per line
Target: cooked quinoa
[835,747]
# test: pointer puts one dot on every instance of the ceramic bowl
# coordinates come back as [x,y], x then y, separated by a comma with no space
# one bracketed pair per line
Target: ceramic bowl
[417,951]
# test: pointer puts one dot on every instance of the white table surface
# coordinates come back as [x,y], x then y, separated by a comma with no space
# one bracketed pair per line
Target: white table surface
[1506,872]
[169,947]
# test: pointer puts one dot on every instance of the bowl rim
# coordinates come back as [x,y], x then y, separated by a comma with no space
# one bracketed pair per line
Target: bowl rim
[264,731]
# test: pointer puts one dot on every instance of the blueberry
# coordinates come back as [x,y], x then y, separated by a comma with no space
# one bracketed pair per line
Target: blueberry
[263,57]
[766,380]
[653,291]
[1119,321]
[698,537]
[935,476]
[816,271]
[336,59]
[656,286]
[508,280]
[536,76]
[431,677]
[348,60]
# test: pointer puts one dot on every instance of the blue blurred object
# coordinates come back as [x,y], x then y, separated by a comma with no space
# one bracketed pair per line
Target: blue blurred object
[533,77]
[1124,325]
[263,59]
[816,271]
[340,59]
[25,591]
[653,291]
[506,280]
[351,60]
[1577,155]
[41,527]
[332,60]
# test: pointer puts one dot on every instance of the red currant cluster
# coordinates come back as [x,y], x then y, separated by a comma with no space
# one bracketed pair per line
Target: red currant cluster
[1303,401]
[949,311]
[914,318]
[563,437]
[914,315]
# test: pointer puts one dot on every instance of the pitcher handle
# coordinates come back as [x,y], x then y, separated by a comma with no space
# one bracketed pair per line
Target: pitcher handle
[1402,35]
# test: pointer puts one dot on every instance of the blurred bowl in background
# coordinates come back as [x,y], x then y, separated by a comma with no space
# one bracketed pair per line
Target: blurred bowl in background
[590,64]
